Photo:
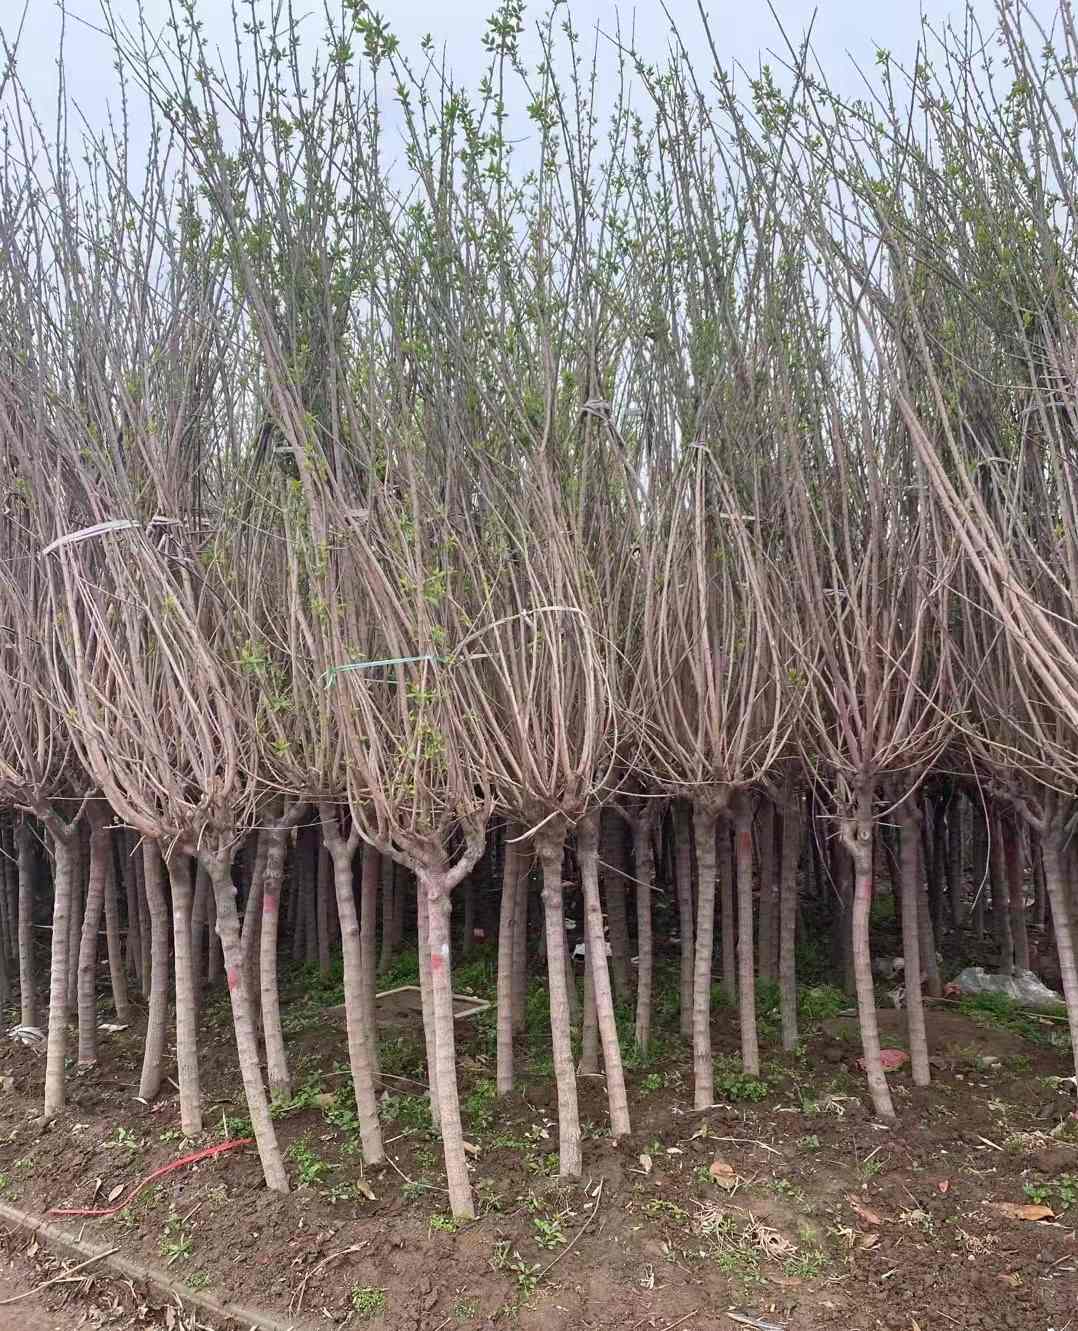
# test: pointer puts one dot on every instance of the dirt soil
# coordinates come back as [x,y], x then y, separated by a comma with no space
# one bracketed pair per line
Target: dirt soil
[794,1207]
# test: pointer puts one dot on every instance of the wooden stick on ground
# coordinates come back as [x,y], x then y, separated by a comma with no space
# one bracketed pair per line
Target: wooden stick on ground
[60,1279]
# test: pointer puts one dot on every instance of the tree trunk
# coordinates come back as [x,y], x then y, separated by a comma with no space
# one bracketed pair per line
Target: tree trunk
[589,1027]
[280,1083]
[793,826]
[253,914]
[513,871]
[704,823]
[599,973]
[552,850]
[117,971]
[906,815]
[426,990]
[325,875]
[100,854]
[955,866]
[389,910]
[644,869]
[981,873]
[145,924]
[158,977]
[1012,856]
[725,870]
[1037,864]
[1001,913]
[520,945]
[78,892]
[213,944]
[843,874]
[9,897]
[439,905]
[368,947]
[133,950]
[312,875]
[857,837]
[746,959]
[181,869]
[613,869]
[27,982]
[765,833]
[66,856]
[930,967]
[228,930]
[342,852]
[683,877]
[1055,884]
[200,935]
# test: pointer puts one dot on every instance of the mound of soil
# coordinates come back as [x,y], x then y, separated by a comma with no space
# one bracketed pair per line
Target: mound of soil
[785,1200]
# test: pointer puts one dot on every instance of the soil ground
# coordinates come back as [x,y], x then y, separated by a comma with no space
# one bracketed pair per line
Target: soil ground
[785,1201]
[27,1314]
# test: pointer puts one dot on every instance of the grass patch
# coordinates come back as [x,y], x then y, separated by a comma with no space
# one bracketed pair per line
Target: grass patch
[821,1002]
[1003,1012]
[368,1301]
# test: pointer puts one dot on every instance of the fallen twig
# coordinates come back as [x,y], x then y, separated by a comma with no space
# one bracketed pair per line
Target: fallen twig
[760,1323]
[296,1305]
[670,1325]
[393,1165]
[573,1241]
[60,1279]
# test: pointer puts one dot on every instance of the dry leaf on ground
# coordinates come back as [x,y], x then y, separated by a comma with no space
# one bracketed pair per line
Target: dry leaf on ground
[723,1174]
[868,1216]
[1022,1210]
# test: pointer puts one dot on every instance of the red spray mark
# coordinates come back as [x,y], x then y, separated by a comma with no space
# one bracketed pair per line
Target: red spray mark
[209,1153]
[233,978]
[269,903]
[436,961]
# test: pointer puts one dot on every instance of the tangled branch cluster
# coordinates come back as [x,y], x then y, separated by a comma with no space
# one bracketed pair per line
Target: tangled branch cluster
[363,461]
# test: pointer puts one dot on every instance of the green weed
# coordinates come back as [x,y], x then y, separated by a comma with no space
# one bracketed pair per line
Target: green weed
[1060,1193]
[176,1242]
[123,1139]
[310,1168]
[478,1104]
[820,1003]
[368,1301]
[410,1111]
[549,1233]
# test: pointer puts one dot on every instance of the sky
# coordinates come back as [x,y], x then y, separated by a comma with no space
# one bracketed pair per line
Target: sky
[846,33]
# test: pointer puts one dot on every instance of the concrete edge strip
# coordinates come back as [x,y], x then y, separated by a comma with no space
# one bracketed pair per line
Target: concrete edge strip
[130,1268]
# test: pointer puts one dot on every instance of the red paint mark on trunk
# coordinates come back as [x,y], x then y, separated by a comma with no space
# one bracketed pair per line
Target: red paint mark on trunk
[744,843]
[269,903]
[233,978]
[436,961]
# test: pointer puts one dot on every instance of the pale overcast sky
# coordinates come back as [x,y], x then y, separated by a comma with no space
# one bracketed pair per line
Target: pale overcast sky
[844,31]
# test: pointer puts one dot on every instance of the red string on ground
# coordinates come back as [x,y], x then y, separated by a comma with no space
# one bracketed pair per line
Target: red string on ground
[206,1154]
